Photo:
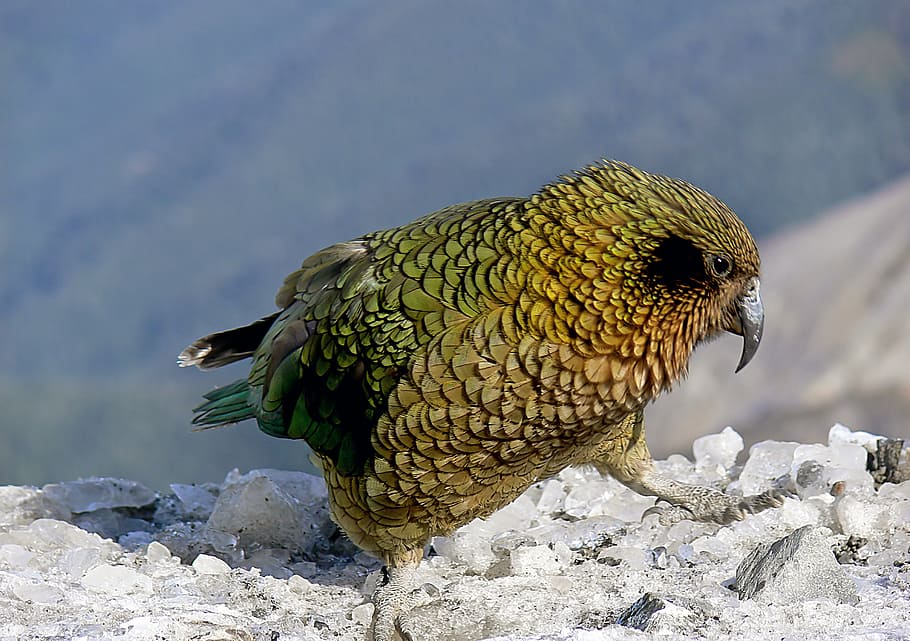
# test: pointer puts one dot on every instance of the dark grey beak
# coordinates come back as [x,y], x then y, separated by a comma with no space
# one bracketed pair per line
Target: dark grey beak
[752,321]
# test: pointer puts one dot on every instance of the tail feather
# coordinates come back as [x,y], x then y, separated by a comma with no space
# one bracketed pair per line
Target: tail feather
[226,347]
[225,405]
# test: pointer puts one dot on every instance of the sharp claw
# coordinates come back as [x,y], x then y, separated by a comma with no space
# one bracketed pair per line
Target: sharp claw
[652,511]
[668,515]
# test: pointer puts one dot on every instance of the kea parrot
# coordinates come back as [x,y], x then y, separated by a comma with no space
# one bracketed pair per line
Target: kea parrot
[439,368]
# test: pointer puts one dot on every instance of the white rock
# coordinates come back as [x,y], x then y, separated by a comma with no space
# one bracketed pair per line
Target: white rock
[861,518]
[768,460]
[156,552]
[636,558]
[518,515]
[299,585]
[22,505]
[97,493]
[271,509]
[38,593]
[844,455]
[795,514]
[717,452]
[898,515]
[584,500]
[842,463]
[118,579]
[621,503]
[840,434]
[14,556]
[686,531]
[197,500]
[467,548]
[552,495]
[205,564]
[710,545]
[77,561]
[363,614]
[895,492]
[538,560]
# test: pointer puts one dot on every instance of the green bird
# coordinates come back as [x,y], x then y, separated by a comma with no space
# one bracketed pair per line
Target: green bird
[439,368]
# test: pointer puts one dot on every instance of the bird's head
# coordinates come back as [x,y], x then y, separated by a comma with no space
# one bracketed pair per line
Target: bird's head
[653,266]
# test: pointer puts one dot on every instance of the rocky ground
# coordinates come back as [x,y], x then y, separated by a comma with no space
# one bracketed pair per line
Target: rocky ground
[257,558]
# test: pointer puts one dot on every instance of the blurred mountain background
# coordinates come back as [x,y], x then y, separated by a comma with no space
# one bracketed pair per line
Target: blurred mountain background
[164,164]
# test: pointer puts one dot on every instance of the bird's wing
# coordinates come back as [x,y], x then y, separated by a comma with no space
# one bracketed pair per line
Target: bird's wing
[354,316]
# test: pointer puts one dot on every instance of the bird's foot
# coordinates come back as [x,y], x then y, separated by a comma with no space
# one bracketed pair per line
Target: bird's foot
[392,601]
[698,503]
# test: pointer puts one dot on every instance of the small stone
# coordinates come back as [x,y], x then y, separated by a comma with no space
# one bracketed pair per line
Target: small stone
[635,558]
[116,579]
[839,434]
[156,552]
[23,505]
[197,501]
[884,463]
[466,548]
[299,585]
[77,561]
[363,614]
[851,550]
[861,518]
[582,500]
[896,492]
[535,560]
[273,509]
[38,593]
[658,615]
[798,567]
[809,479]
[716,453]
[768,461]
[659,557]
[15,556]
[553,492]
[93,494]
[205,564]
[269,562]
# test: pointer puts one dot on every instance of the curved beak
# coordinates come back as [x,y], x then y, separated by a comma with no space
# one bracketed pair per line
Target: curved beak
[751,315]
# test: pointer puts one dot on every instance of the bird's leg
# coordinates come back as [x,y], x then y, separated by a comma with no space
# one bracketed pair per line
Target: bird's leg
[628,460]
[393,596]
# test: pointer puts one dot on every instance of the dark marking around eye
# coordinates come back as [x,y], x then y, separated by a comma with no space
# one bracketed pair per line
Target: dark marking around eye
[677,263]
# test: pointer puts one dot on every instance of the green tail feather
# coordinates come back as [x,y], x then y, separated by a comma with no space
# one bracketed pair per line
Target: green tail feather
[225,405]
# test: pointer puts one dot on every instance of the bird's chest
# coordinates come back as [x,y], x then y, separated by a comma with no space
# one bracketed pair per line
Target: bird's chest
[473,426]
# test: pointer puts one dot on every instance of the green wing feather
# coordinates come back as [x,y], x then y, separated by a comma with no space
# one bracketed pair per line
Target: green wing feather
[354,316]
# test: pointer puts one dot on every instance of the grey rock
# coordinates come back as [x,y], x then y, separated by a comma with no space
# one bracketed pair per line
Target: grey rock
[662,615]
[798,567]
[88,495]
[884,463]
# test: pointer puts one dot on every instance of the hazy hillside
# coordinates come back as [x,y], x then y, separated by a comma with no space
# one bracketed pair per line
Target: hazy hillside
[165,164]
[836,346]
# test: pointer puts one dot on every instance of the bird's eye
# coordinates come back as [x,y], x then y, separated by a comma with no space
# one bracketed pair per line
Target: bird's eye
[721,265]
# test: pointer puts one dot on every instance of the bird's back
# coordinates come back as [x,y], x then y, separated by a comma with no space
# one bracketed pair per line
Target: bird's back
[356,315]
